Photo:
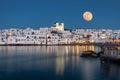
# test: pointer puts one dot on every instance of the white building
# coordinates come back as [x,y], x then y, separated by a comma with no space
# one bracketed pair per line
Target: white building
[58,26]
[57,35]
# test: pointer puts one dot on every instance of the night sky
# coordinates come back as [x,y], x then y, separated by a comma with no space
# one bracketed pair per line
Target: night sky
[43,13]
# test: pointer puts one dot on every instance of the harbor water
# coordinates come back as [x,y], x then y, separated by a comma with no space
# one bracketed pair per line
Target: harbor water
[54,63]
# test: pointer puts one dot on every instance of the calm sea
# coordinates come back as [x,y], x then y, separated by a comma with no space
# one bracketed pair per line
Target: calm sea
[53,63]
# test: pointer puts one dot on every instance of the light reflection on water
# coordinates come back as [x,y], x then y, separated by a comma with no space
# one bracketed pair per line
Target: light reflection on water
[53,62]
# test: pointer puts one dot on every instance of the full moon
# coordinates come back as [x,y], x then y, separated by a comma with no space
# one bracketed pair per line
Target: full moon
[87,16]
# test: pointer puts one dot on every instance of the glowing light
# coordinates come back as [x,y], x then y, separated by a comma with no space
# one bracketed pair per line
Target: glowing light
[87,16]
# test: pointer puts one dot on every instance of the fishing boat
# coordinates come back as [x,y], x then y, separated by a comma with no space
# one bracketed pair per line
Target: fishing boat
[89,53]
[111,54]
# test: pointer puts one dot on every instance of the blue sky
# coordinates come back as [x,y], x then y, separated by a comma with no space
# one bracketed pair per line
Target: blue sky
[43,13]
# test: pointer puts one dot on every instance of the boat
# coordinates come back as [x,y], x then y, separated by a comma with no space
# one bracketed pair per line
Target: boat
[89,53]
[111,54]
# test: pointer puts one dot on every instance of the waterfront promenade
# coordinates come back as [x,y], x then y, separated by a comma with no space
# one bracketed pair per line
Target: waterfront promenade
[72,44]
